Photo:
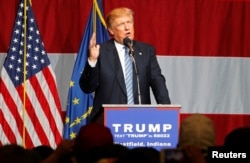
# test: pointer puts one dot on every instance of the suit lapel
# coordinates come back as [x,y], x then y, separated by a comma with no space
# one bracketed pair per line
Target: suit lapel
[115,63]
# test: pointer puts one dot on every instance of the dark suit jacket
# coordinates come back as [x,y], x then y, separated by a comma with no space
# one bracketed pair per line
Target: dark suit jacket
[106,79]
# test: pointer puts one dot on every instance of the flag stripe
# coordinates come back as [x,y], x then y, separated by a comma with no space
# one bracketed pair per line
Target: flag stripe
[2,133]
[208,84]
[53,91]
[12,120]
[9,109]
[7,127]
[38,106]
[49,104]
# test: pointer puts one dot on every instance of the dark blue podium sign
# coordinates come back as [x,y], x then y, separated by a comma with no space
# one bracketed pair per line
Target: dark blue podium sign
[154,126]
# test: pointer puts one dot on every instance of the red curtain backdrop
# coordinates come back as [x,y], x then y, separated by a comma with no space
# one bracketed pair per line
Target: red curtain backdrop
[181,27]
[207,28]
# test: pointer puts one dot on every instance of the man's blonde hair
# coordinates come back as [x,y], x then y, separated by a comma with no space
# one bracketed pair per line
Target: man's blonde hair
[118,12]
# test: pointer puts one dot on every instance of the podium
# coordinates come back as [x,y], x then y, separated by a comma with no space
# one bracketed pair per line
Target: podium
[133,126]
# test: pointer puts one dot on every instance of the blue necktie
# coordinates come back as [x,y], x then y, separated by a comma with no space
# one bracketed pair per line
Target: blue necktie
[129,77]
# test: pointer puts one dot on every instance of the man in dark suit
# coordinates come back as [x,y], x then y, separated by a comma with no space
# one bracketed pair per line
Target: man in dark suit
[105,68]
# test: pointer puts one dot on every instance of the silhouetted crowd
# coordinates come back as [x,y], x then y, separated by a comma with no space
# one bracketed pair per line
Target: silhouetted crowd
[95,144]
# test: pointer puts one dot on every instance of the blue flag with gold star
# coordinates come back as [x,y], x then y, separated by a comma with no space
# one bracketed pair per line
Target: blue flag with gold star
[79,103]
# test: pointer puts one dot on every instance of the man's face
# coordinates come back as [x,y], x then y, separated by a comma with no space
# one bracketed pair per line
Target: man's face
[122,27]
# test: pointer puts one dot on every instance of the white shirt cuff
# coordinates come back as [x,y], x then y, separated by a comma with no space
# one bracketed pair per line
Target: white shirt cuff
[92,64]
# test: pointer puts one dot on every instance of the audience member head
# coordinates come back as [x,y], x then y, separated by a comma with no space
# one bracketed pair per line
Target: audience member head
[238,138]
[43,151]
[13,153]
[141,154]
[197,130]
[91,137]
[109,153]
[64,152]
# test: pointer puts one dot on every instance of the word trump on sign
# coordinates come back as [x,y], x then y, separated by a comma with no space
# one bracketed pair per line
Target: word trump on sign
[140,128]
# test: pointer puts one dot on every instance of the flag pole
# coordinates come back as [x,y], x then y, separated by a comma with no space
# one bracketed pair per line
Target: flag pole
[24,70]
[94,16]
[97,10]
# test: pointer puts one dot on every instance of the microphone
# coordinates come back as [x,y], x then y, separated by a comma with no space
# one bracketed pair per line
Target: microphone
[128,43]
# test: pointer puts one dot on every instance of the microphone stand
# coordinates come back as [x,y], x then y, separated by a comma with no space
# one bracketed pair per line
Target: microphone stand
[131,52]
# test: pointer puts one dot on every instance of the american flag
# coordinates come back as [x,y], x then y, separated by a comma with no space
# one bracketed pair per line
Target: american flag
[30,109]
